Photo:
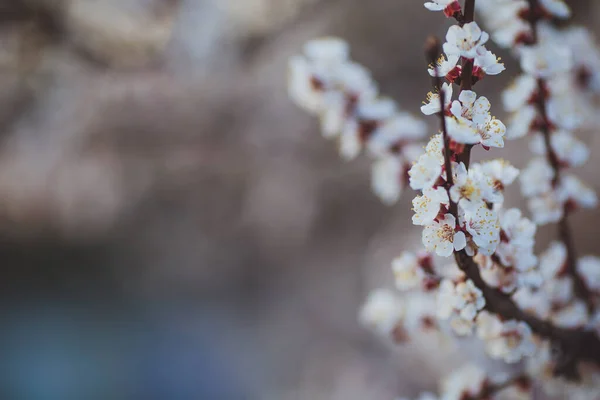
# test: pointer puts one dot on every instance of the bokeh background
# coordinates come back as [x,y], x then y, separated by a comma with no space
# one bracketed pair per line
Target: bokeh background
[173,227]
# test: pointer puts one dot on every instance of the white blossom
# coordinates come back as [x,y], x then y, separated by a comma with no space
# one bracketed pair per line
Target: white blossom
[521,122]
[574,315]
[433,104]
[382,311]
[545,60]
[425,172]
[572,189]
[387,180]
[464,382]
[565,145]
[466,189]
[442,237]
[558,8]
[589,269]
[536,178]
[546,208]
[408,273]
[444,66]
[441,5]
[427,206]
[483,225]
[508,340]
[468,300]
[494,176]
[488,62]
[535,302]
[465,41]
[519,93]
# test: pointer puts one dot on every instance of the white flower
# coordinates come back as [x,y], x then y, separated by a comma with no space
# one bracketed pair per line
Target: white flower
[545,60]
[461,326]
[469,107]
[495,176]
[519,93]
[462,130]
[512,343]
[492,133]
[488,325]
[442,238]
[569,150]
[408,273]
[468,300]
[519,230]
[557,8]
[420,312]
[574,315]
[328,49]
[465,41]
[552,261]
[497,276]
[350,142]
[301,85]
[488,62]
[536,178]
[425,172]
[483,225]
[464,383]
[382,311]
[444,66]
[465,189]
[559,290]
[435,147]
[427,206]
[521,122]
[387,178]
[534,302]
[576,192]
[443,5]
[395,131]
[445,299]
[433,104]
[546,208]
[589,269]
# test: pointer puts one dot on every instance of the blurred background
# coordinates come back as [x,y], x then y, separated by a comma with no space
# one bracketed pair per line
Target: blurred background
[173,227]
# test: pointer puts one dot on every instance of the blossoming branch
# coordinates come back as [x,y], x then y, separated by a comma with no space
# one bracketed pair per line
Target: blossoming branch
[342,93]
[524,307]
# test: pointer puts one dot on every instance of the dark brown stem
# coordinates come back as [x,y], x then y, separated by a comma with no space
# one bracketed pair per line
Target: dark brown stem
[469,12]
[574,345]
[432,49]
[564,231]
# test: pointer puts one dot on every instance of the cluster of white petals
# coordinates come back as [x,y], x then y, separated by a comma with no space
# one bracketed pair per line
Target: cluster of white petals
[507,340]
[496,288]
[460,302]
[550,100]
[471,382]
[325,82]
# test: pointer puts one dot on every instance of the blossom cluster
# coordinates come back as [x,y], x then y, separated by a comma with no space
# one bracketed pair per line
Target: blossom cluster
[549,101]
[520,305]
[471,382]
[326,83]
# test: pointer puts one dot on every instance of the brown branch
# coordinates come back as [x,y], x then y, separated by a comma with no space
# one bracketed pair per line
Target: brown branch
[564,231]
[432,50]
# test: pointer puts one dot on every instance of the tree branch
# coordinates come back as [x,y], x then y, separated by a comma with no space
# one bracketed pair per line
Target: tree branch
[564,230]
